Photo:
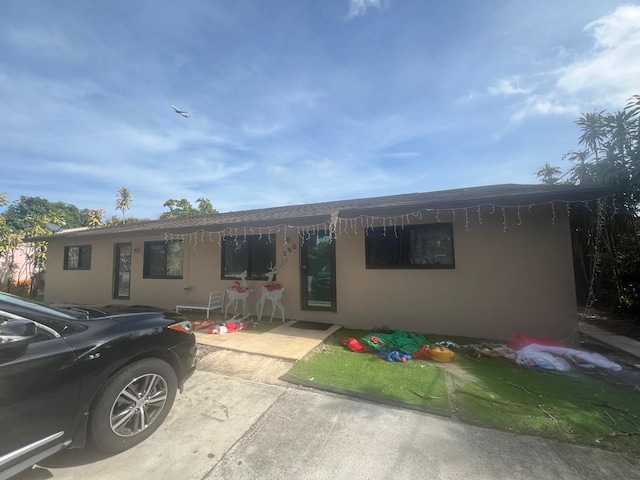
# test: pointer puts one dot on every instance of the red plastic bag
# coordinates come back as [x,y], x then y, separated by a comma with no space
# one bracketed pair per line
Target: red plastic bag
[355,346]
[424,353]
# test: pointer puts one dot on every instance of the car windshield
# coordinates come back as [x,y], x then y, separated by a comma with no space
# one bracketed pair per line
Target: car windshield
[52,317]
[36,306]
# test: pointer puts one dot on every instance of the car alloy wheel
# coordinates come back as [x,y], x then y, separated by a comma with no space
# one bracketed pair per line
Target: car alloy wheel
[132,405]
[138,405]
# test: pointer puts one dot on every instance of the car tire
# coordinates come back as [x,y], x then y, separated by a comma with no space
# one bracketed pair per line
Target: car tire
[132,405]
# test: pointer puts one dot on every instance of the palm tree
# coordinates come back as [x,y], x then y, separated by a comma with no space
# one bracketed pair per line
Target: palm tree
[634,105]
[581,172]
[593,131]
[620,130]
[123,200]
[95,218]
[548,175]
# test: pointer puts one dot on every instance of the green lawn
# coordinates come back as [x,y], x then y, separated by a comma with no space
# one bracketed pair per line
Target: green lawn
[495,393]
[417,383]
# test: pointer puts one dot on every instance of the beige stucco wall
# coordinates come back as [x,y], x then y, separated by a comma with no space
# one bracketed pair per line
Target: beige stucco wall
[505,282]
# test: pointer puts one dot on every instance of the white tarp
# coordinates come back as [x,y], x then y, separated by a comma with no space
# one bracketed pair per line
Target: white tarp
[561,358]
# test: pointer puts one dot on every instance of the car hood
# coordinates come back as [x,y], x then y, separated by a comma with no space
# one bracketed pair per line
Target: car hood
[98,311]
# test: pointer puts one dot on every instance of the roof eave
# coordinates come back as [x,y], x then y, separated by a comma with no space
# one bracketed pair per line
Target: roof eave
[302,221]
[528,199]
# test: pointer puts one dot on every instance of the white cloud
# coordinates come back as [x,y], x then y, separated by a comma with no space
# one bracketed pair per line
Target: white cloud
[508,86]
[617,28]
[538,105]
[610,71]
[606,76]
[358,8]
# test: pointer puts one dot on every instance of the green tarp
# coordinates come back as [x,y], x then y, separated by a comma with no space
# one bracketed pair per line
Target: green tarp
[403,341]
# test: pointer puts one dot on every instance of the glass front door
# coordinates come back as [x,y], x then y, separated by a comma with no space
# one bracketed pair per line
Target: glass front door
[318,266]
[122,274]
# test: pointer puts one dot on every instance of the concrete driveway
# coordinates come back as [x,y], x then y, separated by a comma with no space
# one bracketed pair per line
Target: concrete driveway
[212,414]
[225,427]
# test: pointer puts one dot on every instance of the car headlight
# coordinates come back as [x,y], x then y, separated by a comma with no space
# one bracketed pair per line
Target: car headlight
[184,327]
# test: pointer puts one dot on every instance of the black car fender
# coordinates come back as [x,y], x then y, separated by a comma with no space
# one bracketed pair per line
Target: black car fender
[102,360]
[80,425]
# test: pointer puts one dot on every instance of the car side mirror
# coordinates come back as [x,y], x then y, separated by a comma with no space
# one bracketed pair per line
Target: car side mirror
[17,332]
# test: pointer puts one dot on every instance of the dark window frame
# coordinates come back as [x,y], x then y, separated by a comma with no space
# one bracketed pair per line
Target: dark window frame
[118,251]
[147,266]
[397,243]
[250,260]
[84,257]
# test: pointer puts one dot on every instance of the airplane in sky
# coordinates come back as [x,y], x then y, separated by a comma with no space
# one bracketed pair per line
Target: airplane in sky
[181,112]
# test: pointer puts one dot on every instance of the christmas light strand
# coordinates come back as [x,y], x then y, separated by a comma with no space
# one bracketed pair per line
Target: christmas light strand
[344,226]
[595,267]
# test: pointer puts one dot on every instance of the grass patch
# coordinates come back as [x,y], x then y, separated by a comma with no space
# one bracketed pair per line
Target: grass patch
[575,407]
[417,383]
[572,407]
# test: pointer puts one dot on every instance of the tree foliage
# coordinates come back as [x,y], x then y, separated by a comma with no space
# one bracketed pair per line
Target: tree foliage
[124,198]
[549,175]
[609,156]
[19,211]
[184,208]
[28,218]
[25,218]
[93,218]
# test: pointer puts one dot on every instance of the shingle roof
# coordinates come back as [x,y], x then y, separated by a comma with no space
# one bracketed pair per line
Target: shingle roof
[317,213]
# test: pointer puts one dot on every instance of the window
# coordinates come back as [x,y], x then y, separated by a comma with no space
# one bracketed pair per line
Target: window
[414,246]
[253,254]
[163,259]
[77,257]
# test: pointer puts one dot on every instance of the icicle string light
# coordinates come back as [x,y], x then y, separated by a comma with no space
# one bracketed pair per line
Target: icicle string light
[504,219]
[520,217]
[597,256]
[349,225]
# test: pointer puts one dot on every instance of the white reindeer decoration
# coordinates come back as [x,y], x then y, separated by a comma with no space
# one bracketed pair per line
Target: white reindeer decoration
[273,292]
[238,293]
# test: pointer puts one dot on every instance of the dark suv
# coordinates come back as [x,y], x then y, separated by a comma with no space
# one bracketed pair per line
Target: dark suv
[68,376]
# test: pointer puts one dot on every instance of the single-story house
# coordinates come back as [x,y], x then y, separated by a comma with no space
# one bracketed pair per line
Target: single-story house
[489,261]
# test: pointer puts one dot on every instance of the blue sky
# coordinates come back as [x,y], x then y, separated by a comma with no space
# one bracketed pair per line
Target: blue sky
[299,101]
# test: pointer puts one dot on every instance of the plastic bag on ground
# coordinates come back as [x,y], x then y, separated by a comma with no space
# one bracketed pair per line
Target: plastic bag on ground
[355,346]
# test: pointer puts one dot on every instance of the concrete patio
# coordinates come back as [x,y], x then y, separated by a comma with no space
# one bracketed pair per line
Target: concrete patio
[287,342]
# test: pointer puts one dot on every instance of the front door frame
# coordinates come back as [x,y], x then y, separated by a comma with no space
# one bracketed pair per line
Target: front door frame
[119,249]
[308,269]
